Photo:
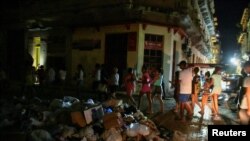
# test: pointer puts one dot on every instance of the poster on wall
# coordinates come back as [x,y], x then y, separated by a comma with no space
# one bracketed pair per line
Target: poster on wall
[132,41]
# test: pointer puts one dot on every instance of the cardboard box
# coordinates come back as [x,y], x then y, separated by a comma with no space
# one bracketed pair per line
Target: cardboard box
[93,113]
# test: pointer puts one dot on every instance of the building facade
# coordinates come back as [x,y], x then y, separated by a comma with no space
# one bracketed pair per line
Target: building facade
[124,33]
[244,38]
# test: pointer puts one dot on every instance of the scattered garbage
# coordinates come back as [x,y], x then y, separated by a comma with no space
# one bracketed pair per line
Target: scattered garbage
[69,119]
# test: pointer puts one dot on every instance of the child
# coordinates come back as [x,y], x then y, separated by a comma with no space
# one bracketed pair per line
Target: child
[195,88]
[205,91]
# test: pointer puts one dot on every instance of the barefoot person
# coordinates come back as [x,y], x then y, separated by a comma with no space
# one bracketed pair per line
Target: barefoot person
[129,83]
[217,88]
[185,79]
[205,92]
[145,89]
[157,87]
[196,87]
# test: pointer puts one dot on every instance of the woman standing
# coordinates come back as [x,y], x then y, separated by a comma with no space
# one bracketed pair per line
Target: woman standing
[129,83]
[217,88]
[145,89]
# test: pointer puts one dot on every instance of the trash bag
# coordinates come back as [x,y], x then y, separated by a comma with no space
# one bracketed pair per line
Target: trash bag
[135,128]
[40,135]
[132,130]
[112,135]
[143,130]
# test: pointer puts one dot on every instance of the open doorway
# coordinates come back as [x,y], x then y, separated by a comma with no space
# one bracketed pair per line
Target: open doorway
[116,52]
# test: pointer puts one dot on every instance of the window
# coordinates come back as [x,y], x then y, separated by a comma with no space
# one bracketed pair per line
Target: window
[153,46]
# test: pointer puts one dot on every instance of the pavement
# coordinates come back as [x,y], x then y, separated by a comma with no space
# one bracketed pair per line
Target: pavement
[195,129]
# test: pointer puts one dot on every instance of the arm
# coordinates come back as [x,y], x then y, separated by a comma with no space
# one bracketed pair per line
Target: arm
[248,100]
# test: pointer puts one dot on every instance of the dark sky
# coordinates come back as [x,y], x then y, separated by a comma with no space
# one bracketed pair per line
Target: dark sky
[229,13]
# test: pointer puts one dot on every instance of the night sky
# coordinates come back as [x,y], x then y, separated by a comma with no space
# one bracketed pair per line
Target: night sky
[229,13]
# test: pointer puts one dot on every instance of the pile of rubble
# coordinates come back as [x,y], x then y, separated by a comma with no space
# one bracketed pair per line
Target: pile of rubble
[70,119]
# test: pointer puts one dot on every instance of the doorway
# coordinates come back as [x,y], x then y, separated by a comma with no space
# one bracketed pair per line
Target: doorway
[116,52]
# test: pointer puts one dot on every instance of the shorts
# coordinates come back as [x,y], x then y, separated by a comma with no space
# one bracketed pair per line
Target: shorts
[184,97]
[157,90]
[216,90]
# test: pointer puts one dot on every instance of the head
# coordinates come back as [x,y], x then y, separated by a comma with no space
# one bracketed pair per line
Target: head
[182,64]
[246,67]
[130,70]
[144,68]
[196,70]
[115,69]
[201,72]
[207,74]
[217,70]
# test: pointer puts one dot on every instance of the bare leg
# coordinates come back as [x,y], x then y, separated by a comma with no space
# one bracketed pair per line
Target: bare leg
[244,118]
[139,101]
[203,102]
[189,109]
[159,97]
[215,104]
[130,97]
[196,100]
[182,106]
[149,103]
[132,100]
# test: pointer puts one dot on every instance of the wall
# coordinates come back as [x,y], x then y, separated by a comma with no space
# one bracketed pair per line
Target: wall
[134,58]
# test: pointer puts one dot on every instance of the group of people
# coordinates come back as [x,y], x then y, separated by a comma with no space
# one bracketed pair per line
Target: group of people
[189,84]
[150,85]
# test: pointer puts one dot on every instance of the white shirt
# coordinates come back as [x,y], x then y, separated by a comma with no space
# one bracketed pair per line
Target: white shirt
[98,75]
[62,74]
[217,84]
[186,77]
[51,75]
[115,79]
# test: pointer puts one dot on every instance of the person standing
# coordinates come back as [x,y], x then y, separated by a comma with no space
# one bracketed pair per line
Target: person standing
[196,87]
[176,85]
[79,80]
[145,89]
[157,87]
[205,92]
[114,82]
[202,78]
[97,77]
[244,112]
[62,80]
[51,76]
[185,80]
[129,84]
[217,88]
